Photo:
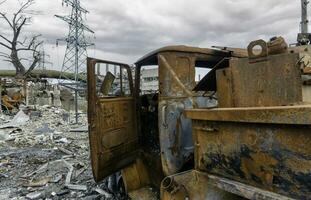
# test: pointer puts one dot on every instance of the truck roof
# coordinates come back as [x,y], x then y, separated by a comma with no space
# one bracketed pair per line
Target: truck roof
[151,58]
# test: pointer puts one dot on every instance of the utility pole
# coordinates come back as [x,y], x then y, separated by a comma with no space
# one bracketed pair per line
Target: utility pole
[304,36]
[76,54]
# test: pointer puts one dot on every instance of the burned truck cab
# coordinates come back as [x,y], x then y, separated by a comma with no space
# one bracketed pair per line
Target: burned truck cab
[146,136]
[178,67]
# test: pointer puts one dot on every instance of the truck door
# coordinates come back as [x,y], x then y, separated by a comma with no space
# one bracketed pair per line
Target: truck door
[112,117]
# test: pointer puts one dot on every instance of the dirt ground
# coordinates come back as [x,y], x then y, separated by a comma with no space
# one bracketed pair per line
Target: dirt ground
[42,157]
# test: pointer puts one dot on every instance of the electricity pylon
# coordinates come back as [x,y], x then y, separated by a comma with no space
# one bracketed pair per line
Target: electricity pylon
[43,61]
[76,54]
[304,16]
[304,36]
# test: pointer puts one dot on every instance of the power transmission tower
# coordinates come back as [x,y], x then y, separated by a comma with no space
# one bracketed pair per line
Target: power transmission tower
[304,16]
[43,61]
[76,54]
[304,36]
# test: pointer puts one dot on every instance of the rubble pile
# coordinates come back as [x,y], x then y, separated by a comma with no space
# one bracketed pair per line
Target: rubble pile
[43,156]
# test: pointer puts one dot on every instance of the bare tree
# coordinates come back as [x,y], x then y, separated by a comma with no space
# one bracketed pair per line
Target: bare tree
[14,45]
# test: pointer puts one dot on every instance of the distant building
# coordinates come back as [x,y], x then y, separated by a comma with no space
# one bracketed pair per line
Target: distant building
[149,80]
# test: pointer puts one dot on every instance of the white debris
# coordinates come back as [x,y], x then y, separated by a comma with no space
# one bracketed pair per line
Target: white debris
[34,195]
[68,177]
[64,150]
[4,136]
[103,192]
[80,129]
[4,175]
[20,119]
[47,159]
[76,187]
[56,178]
[62,140]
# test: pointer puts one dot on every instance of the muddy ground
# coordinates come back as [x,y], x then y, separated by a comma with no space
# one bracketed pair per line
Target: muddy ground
[41,157]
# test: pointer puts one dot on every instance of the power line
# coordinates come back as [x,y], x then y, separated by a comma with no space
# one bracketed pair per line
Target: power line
[76,50]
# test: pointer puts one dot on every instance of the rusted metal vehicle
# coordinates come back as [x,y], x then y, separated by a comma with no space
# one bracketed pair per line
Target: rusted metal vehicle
[241,132]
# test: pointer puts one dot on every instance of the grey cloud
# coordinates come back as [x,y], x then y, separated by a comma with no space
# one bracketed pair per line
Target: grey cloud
[128,29]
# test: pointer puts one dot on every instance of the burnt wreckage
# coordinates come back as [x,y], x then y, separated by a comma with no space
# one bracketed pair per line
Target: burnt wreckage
[240,132]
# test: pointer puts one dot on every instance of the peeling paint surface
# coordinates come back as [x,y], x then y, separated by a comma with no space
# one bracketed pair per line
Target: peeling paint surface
[275,158]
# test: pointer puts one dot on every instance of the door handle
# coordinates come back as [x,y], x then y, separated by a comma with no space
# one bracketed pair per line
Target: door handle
[164,123]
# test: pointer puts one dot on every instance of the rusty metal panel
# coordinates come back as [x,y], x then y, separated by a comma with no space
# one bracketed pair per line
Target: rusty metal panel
[306,91]
[176,79]
[212,55]
[115,123]
[294,115]
[176,131]
[202,186]
[144,193]
[114,135]
[272,81]
[259,135]
[224,84]
[187,186]
[135,176]
[175,134]
[192,185]
[112,127]
[183,65]
[273,157]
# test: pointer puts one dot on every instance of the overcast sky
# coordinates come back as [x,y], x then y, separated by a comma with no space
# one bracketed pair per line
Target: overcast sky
[127,29]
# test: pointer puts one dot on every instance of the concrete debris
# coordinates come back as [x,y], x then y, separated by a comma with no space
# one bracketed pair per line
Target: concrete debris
[68,177]
[56,178]
[38,183]
[93,197]
[76,187]
[20,119]
[34,195]
[65,117]
[4,136]
[65,151]
[80,129]
[62,192]
[35,114]
[3,175]
[44,129]
[39,170]
[40,158]
[78,172]
[103,192]
[62,140]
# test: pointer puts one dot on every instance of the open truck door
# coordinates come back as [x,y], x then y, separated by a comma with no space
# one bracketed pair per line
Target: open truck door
[112,118]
